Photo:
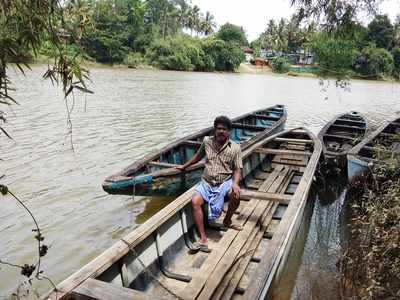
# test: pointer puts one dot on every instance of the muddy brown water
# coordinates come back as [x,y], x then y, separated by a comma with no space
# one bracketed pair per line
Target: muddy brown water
[131,113]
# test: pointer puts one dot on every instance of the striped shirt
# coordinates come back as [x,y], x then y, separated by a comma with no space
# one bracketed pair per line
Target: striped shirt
[220,162]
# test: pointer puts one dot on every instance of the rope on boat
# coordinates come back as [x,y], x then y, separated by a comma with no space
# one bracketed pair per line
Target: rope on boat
[146,270]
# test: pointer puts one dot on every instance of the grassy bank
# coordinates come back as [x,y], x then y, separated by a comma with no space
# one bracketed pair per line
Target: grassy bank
[371,263]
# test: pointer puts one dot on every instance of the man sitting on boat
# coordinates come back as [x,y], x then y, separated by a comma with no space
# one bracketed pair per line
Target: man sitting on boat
[220,178]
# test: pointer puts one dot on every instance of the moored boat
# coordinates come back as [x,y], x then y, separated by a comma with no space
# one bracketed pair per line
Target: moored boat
[156,173]
[155,261]
[383,142]
[340,135]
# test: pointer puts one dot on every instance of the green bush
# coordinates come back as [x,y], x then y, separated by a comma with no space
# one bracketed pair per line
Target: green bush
[334,55]
[184,53]
[280,65]
[133,59]
[375,63]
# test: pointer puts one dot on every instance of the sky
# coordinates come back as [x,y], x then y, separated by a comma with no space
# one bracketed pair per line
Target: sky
[254,14]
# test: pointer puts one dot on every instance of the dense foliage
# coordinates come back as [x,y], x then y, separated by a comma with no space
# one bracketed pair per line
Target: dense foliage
[152,32]
[191,54]
[334,54]
[280,65]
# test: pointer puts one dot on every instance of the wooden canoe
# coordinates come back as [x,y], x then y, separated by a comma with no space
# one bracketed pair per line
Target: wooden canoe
[342,134]
[156,175]
[155,262]
[384,142]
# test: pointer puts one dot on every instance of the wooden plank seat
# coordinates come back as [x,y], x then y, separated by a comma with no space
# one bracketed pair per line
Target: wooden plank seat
[351,121]
[265,117]
[294,141]
[192,143]
[162,164]
[281,151]
[349,127]
[274,197]
[249,127]
[339,136]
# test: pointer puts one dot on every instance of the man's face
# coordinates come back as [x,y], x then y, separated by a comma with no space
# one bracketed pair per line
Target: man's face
[221,133]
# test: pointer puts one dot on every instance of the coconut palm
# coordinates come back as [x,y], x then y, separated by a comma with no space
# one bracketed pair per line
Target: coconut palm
[208,24]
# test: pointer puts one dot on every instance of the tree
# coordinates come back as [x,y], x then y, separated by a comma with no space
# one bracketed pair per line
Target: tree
[334,55]
[334,13]
[375,63]
[24,25]
[381,32]
[208,24]
[232,33]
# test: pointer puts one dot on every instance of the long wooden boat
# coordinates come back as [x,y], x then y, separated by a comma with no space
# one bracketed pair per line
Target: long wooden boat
[340,135]
[365,153]
[156,173]
[155,261]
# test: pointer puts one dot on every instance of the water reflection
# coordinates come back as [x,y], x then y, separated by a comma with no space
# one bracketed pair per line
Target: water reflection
[318,277]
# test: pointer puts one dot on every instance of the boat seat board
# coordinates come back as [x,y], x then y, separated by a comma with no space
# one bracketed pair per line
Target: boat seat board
[349,127]
[343,137]
[96,289]
[294,141]
[192,143]
[281,151]
[162,164]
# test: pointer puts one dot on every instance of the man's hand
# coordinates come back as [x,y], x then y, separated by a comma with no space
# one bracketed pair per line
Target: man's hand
[236,191]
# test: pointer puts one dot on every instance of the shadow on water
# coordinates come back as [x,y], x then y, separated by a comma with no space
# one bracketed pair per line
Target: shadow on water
[311,271]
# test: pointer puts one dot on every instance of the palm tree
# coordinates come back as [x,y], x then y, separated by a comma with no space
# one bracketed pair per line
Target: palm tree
[208,24]
[193,18]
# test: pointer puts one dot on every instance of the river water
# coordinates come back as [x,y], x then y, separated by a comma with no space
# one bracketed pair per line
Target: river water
[58,175]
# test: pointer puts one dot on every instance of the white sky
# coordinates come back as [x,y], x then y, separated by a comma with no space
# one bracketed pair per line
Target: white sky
[254,14]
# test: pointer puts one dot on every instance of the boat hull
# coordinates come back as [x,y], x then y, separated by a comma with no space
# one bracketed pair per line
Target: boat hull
[356,168]
[169,185]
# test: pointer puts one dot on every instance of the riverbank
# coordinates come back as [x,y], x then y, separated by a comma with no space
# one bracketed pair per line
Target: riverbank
[370,263]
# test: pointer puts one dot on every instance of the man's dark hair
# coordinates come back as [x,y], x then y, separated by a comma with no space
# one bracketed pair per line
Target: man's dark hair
[223,120]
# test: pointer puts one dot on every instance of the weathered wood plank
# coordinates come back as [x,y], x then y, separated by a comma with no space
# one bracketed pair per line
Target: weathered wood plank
[343,137]
[281,151]
[96,289]
[244,252]
[229,257]
[162,164]
[299,141]
[348,127]
[233,283]
[273,197]
[191,143]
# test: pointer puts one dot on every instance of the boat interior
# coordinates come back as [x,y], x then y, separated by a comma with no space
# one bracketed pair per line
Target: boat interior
[346,131]
[162,263]
[388,140]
